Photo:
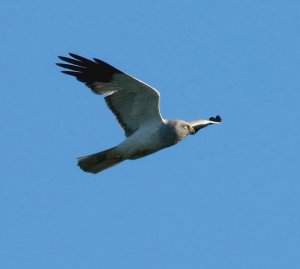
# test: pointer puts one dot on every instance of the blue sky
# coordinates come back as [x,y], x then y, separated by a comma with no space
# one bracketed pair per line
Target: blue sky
[228,197]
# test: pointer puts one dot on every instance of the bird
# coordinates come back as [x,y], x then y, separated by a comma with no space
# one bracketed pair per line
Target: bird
[136,106]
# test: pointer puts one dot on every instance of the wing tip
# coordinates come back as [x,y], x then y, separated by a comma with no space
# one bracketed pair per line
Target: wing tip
[88,71]
[217,119]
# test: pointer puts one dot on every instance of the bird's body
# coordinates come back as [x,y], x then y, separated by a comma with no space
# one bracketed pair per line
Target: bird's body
[151,138]
[143,142]
[136,107]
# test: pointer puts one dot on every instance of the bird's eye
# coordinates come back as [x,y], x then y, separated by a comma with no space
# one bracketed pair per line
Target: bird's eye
[185,127]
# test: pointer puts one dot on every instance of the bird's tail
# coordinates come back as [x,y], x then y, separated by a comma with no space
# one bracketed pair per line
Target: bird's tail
[97,162]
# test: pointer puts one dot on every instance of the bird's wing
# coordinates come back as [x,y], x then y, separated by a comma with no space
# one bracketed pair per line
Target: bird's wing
[133,102]
[199,124]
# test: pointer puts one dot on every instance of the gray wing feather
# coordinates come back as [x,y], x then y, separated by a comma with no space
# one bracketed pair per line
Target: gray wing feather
[133,102]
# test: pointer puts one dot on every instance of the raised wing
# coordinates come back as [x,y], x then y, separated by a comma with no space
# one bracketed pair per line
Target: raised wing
[133,102]
[199,124]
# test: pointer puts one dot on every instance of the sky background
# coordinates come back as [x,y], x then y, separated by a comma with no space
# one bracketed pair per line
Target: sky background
[228,197]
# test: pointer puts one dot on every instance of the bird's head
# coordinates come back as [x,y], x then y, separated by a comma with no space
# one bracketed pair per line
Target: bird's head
[183,128]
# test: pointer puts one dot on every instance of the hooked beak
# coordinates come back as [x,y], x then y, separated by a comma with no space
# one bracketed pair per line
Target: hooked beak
[199,124]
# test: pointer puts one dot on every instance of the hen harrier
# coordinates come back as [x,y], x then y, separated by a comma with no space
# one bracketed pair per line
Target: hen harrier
[136,107]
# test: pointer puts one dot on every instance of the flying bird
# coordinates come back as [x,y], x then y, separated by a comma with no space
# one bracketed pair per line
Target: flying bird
[136,106]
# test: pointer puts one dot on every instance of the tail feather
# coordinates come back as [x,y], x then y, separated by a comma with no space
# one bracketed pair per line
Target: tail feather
[100,161]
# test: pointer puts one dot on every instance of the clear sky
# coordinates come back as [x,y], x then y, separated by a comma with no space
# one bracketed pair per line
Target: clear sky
[228,197]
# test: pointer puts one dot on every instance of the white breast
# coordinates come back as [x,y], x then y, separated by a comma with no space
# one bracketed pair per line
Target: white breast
[143,140]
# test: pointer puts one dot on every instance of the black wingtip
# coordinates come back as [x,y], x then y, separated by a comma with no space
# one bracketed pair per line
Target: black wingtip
[216,118]
[73,54]
[87,71]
